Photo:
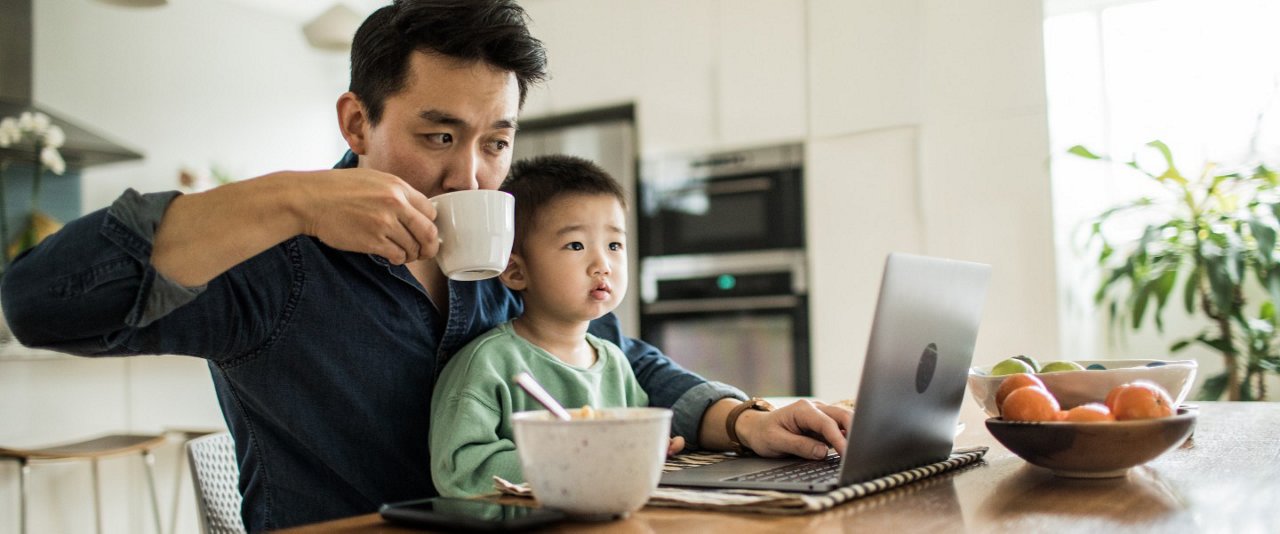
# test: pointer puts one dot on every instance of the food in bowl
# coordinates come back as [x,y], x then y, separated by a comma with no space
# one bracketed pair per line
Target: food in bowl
[563,461]
[1074,388]
[1023,397]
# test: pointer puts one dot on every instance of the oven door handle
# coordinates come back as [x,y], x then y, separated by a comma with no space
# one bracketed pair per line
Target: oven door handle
[772,302]
[726,187]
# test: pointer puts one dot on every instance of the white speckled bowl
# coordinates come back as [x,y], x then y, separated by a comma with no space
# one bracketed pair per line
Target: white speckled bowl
[1073,388]
[600,468]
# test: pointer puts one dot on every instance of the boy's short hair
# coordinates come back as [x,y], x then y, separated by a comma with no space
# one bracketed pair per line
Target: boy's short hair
[535,182]
[492,31]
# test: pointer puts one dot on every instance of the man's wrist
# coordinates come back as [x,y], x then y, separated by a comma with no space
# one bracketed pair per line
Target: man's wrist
[742,422]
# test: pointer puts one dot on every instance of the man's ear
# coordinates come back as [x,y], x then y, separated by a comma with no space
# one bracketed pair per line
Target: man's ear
[514,276]
[353,120]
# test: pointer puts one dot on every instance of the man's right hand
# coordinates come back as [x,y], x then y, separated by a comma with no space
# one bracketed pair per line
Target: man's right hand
[203,235]
[363,210]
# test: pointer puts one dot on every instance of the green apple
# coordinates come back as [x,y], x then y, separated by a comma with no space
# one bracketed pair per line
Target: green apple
[1054,367]
[1035,366]
[1011,366]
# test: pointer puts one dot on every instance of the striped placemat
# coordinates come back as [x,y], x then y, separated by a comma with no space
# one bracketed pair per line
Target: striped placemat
[768,501]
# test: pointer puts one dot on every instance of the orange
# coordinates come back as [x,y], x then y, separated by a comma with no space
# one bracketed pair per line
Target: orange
[1089,413]
[1016,381]
[1030,403]
[1139,400]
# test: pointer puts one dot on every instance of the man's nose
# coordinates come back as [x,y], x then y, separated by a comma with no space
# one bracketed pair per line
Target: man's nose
[463,171]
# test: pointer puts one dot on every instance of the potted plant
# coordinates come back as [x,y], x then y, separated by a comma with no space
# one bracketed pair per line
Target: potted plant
[1210,240]
[31,139]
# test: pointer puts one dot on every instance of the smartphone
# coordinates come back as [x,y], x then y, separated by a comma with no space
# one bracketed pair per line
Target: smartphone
[467,514]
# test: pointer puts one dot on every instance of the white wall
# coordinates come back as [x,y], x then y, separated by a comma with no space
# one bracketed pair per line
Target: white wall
[195,83]
[924,121]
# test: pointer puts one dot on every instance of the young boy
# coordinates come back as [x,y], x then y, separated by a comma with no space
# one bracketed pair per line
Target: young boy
[569,265]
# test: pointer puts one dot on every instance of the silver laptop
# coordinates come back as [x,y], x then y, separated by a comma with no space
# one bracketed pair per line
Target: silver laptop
[913,381]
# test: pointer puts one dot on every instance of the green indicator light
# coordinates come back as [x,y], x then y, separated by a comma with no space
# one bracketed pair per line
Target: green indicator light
[726,282]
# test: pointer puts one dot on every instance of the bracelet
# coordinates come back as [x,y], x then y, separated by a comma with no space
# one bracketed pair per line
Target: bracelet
[731,422]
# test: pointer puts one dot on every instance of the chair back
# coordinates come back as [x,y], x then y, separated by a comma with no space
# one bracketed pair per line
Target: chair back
[217,483]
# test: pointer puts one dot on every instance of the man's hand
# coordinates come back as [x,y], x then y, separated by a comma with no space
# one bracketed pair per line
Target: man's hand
[804,428]
[363,210]
[675,445]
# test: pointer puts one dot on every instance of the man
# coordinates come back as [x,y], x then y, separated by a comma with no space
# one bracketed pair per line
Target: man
[315,296]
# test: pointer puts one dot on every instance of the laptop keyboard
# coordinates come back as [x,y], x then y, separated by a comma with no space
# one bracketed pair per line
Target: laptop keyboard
[815,471]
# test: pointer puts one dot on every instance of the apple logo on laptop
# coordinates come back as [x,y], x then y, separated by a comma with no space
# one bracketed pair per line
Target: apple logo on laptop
[928,363]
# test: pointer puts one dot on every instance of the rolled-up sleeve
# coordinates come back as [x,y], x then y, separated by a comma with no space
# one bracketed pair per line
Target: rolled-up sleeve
[92,278]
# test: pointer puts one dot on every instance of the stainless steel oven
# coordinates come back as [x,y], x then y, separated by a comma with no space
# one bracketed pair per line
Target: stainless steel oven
[725,202]
[739,318]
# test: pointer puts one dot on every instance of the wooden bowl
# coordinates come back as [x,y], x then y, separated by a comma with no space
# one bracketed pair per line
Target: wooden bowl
[1093,450]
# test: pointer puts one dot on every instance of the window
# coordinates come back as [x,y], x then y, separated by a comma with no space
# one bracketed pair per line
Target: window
[1201,75]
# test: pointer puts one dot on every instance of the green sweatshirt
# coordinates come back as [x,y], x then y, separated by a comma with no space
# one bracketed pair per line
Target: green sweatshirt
[471,432]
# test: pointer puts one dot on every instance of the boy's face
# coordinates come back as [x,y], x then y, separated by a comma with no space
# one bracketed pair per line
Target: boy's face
[450,128]
[572,266]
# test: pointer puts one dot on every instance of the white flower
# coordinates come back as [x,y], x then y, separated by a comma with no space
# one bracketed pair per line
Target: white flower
[26,121]
[9,132]
[50,158]
[41,123]
[55,137]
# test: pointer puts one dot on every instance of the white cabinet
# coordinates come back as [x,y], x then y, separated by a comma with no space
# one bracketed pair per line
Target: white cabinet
[703,74]
[865,65]
[761,72]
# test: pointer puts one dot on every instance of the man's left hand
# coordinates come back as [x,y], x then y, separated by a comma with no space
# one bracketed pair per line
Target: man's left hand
[805,428]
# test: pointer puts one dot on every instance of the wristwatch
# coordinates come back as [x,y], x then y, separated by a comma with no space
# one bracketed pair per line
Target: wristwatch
[755,403]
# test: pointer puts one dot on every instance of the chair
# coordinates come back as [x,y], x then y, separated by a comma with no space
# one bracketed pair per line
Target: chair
[91,450]
[217,483]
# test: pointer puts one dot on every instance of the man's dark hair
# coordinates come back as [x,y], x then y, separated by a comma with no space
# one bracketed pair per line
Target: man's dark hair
[492,31]
[535,182]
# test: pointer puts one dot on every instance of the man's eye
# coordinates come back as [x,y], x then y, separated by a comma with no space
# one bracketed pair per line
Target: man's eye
[575,246]
[439,138]
[500,145]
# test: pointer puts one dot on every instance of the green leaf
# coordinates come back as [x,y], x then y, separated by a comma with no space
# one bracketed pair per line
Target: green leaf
[1213,388]
[1267,312]
[1191,290]
[1170,173]
[1266,237]
[1180,344]
[1163,286]
[1083,152]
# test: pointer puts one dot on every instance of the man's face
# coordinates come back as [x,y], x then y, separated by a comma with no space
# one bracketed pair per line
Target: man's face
[451,127]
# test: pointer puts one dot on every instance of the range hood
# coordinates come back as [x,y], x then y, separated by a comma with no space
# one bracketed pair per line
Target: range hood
[83,147]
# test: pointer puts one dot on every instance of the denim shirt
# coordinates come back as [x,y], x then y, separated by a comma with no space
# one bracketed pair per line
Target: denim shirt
[323,360]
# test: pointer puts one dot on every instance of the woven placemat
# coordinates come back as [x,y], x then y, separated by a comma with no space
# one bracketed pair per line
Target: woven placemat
[768,501]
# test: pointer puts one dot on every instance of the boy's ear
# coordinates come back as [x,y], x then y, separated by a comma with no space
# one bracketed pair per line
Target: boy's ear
[514,276]
[353,120]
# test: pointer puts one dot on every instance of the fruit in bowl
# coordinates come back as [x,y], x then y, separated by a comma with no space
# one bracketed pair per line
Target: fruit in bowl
[1135,425]
[1074,388]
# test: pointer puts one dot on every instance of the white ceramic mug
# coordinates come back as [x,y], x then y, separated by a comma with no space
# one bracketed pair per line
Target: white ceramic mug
[476,230]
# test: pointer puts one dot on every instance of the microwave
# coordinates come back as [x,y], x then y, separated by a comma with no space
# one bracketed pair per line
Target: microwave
[747,200]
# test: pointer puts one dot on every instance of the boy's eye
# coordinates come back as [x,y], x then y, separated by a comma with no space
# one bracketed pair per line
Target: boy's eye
[615,246]
[575,246]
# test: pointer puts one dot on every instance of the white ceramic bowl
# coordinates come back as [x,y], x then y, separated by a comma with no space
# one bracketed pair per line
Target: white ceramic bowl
[598,468]
[1073,388]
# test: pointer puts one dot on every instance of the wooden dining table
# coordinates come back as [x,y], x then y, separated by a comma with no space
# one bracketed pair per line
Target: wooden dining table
[1225,478]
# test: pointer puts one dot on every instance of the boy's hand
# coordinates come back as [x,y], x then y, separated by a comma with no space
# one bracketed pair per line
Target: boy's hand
[676,445]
